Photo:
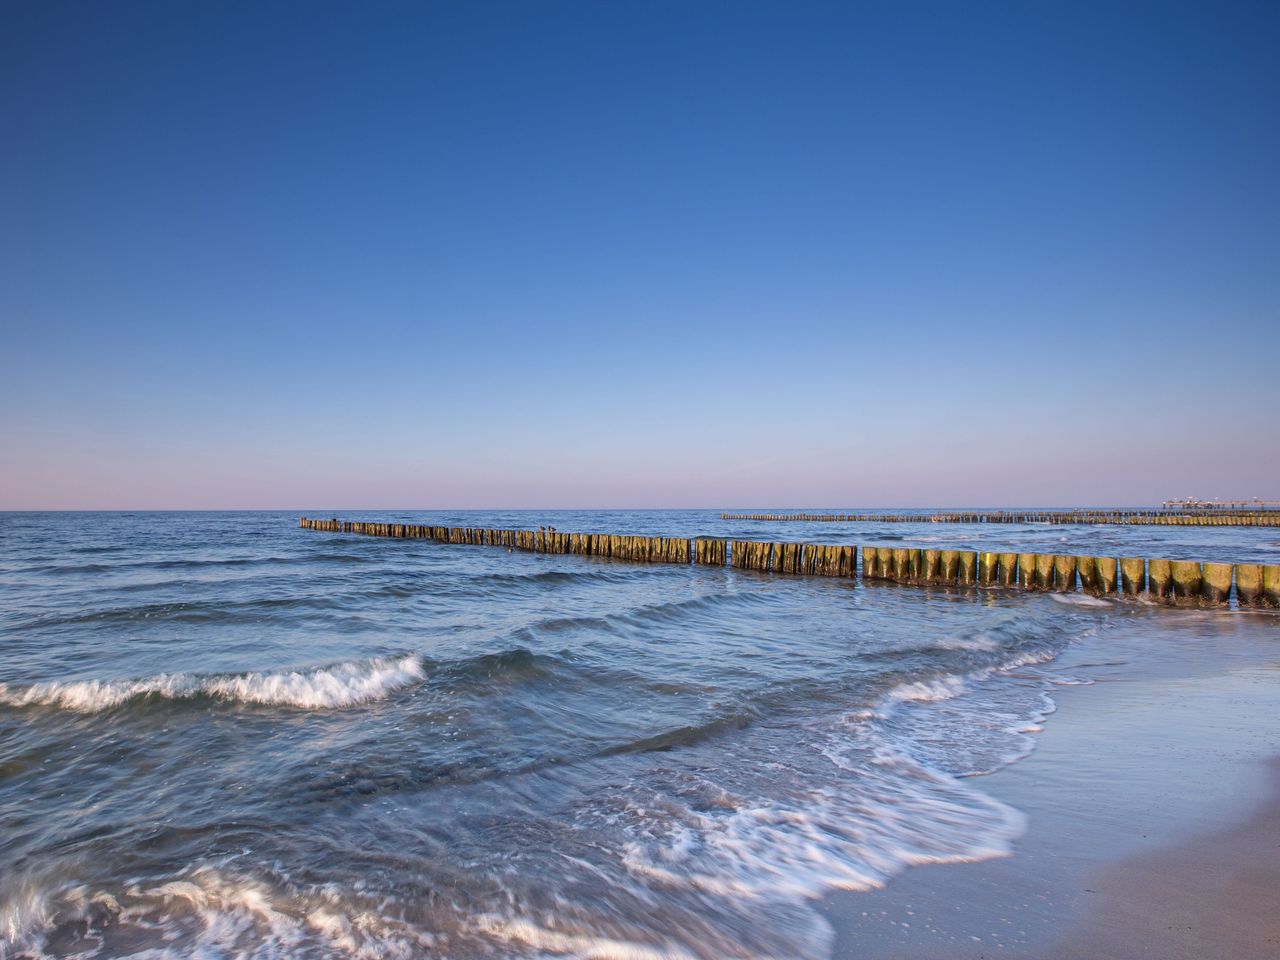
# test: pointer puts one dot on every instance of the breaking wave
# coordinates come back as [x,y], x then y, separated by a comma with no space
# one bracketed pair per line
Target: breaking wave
[342,685]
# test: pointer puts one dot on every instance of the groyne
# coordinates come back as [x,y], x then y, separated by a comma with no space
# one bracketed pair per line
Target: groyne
[1247,585]
[1158,518]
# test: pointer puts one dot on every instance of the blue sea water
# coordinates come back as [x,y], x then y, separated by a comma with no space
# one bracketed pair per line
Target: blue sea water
[224,736]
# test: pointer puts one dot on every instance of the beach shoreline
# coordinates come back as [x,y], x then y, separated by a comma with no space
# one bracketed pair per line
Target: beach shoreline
[1153,808]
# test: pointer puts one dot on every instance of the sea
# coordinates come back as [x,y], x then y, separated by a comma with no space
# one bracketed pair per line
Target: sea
[224,736]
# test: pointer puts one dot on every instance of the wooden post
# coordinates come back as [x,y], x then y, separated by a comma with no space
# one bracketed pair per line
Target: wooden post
[988,568]
[1088,568]
[1064,573]
[950,567]
[1249,584]
[1027,571]
[915,565]
[1271,585]
[1159,579]
[968,567]
[901,564]
[1216,585]
[870,563]
[1009,569]
[1044,571]
[787,557]
[932,572]
[1105,569]
[1133,576]
[1187,579]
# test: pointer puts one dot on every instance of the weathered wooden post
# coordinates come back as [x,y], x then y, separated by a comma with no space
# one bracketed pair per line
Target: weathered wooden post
[1027,570]
[1088,569]
[1009,569]
[1064,573]
[1216,585]
[885,563]
[968,567]
[1133,576]
[901,564]
[932,570]
[848,562]
[988,568]
[786,557]
[1044,571]
[871,563]
[1249,584]
[1271,585]
[950,567]
[915,565]
[1187,579]
[1159,579]
[1105,568]
[814,560]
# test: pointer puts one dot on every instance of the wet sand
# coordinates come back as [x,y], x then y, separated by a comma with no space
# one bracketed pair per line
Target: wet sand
[1153,808]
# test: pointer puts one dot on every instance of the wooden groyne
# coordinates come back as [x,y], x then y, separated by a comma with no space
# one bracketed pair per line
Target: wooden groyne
[1248,585]
[1156,518]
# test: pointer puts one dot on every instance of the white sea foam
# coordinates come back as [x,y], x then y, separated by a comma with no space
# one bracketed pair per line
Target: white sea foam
[978,641]
[1079,600]
[928,690]
[558,943]
[342,685]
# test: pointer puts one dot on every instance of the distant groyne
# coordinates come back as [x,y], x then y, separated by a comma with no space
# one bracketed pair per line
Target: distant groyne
[1157,518]
[1248,585]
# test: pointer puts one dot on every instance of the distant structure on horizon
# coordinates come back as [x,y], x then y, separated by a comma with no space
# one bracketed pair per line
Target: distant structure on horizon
[1193,503]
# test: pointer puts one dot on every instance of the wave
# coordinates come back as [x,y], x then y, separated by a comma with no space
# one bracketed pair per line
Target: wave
[612,575]
[190,564]
[200,612]
[1079,600]
[342,685]
[215,914]
[685,736]
[345,684]
[927,691]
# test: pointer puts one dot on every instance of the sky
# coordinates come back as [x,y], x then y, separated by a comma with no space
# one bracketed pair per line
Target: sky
[642,254]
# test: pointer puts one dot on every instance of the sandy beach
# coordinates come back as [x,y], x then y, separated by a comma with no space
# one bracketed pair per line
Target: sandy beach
[1153,816]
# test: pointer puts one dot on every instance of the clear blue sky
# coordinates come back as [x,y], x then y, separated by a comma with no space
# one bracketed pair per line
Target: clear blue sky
[638,254]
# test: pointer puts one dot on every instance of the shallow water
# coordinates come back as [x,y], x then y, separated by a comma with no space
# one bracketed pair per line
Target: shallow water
[220,734]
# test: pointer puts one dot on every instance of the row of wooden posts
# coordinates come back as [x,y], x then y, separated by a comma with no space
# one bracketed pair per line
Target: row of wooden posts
[1161,518]
[1180,581]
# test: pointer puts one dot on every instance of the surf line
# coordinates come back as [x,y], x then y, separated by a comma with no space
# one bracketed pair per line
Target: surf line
[1179,582]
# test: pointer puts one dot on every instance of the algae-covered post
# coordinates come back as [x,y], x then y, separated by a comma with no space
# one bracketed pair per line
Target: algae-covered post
[1064,573]
[1044,570]
[1248,584]
[950,566]
[932,572]
[1009,569]
[1105,580]
[1027,571]
[1087,567]
[1187,578]
[1133,575]
[988,568]
[1216,586]
[1159,579]
[1271,585]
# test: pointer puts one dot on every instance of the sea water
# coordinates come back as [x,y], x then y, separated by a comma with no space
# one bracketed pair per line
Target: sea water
[224,736]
